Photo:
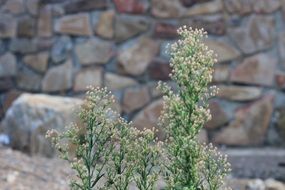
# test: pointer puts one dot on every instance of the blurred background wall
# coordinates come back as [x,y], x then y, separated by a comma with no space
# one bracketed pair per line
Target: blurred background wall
[59,47]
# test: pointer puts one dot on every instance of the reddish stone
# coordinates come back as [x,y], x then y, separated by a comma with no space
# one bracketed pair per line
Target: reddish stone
[165,30]
[85,5]
[131,6]
[159,70]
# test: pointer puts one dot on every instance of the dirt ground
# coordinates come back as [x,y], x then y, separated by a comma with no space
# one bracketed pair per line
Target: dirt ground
[19,171]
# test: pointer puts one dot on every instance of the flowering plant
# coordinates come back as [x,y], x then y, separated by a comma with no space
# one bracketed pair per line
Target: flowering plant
[188,164]
[111,154]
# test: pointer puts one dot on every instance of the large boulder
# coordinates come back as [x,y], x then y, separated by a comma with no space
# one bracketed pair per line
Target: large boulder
[31,115]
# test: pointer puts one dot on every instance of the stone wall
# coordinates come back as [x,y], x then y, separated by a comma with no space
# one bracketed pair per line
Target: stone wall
[61,46]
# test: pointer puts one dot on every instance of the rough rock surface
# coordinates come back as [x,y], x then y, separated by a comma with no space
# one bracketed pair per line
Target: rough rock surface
[30,116]
[256,69]
[78,24]
[94,51]
[58,78]
[148,117]
[250,124]
[145,49]
[104,25]
[219,116]
[26,27]
[115,82]
[8,26]
[224,50]
[61,49]
[23,45]
[135,98]
[8,65]
[88,77]
[129,26]
[29,80]
[39,61]
[257,35]
[45,26]
[239,93]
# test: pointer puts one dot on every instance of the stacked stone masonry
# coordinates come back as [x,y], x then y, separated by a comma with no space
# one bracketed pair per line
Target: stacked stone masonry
[61,46]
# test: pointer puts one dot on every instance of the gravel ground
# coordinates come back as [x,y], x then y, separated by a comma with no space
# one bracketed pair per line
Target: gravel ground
[21,172]
[18,171]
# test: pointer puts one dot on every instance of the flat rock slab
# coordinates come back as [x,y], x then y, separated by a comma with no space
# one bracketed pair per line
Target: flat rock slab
[257,163]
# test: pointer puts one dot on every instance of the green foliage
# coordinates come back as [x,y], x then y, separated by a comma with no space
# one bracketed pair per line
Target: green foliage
[190,165]
[109,153]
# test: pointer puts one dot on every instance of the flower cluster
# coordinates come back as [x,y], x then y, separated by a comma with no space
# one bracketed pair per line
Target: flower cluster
[189,165]
[106,151]
[214,167]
